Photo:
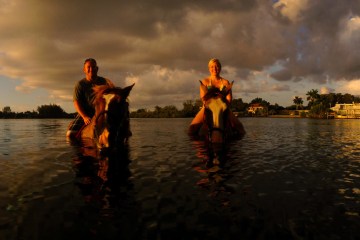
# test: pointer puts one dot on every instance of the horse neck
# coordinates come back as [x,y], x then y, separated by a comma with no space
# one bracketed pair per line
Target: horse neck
[217,128]
[89,130]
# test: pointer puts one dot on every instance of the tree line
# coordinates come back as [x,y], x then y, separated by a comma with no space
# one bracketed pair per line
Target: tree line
[318,106]
[43,111]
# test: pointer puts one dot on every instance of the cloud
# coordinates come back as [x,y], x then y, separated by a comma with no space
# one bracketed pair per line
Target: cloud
[279,88]
[351,87]
[326,90]
[163,86]
[291,9]
[164,45]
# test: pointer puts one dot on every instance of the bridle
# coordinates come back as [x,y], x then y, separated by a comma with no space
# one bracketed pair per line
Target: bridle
[119,127]
[211,129]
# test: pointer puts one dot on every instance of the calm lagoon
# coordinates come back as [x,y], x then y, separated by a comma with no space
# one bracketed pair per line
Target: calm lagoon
[286,179]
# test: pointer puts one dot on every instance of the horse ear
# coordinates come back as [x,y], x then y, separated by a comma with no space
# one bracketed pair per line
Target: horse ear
[231,84]
[126,91]
[230,87]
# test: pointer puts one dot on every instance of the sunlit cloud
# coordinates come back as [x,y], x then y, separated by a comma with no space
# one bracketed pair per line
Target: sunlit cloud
[25,89]
[351,87]
[291,9]
[326,90]
[163,86]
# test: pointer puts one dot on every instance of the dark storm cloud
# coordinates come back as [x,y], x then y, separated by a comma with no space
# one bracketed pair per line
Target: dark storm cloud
[325,39]
[165,45]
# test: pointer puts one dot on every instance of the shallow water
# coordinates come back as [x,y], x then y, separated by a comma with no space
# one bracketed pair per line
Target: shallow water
[286,179]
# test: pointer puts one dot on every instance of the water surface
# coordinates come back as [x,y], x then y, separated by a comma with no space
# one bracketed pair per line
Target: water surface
[286,179]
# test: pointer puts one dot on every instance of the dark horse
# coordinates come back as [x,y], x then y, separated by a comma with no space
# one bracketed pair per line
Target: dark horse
[110,126]
[217,125]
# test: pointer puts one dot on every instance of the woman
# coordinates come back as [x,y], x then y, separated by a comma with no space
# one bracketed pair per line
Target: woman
[216,81]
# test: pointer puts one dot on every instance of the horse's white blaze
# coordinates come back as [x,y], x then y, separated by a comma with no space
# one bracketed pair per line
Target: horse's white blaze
[108,98]
[217,106]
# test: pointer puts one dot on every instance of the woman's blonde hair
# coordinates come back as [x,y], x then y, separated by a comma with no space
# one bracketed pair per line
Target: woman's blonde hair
[215,60]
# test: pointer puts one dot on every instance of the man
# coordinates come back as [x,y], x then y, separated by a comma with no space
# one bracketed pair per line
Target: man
[83,96]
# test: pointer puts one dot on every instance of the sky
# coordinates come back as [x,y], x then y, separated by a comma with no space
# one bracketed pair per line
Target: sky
[272,49]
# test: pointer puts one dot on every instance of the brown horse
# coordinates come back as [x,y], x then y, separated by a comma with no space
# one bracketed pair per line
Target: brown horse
[217,125]
[110,126]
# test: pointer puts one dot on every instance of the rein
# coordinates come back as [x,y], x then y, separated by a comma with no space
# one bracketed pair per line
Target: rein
[100,114]
[96,133]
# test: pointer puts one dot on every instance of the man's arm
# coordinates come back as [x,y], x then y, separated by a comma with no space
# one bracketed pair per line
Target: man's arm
[79,109]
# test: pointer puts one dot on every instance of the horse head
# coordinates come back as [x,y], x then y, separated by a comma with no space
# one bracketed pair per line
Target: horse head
[112,124]
[216,112]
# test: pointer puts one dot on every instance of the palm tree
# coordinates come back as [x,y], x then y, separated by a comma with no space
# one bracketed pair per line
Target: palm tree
[312,96]
[298,101]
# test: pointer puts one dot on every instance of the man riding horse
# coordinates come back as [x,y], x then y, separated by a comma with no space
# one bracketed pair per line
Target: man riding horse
[103,110]
[84,94]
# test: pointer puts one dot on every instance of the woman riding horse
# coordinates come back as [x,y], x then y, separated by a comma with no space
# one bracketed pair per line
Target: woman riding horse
[215,81]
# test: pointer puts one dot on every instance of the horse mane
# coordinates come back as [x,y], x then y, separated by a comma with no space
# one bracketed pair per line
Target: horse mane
[214,92]
[99,91]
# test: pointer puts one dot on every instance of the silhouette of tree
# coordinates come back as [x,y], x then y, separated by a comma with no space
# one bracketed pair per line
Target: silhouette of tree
[298,102]
[261,101]
[51,111]
[6,110]
[312,96]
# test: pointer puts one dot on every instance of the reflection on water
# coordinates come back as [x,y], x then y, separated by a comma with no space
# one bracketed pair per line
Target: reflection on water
[214,169]
[103,181]
[286,179]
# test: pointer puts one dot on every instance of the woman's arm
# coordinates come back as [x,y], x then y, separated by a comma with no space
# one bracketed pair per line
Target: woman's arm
[203,88]
[229,95]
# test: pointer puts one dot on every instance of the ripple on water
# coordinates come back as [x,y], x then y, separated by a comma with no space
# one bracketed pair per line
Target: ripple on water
[287,178]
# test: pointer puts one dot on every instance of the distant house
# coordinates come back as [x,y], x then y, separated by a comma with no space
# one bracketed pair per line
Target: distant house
[256,109]
[346,110]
